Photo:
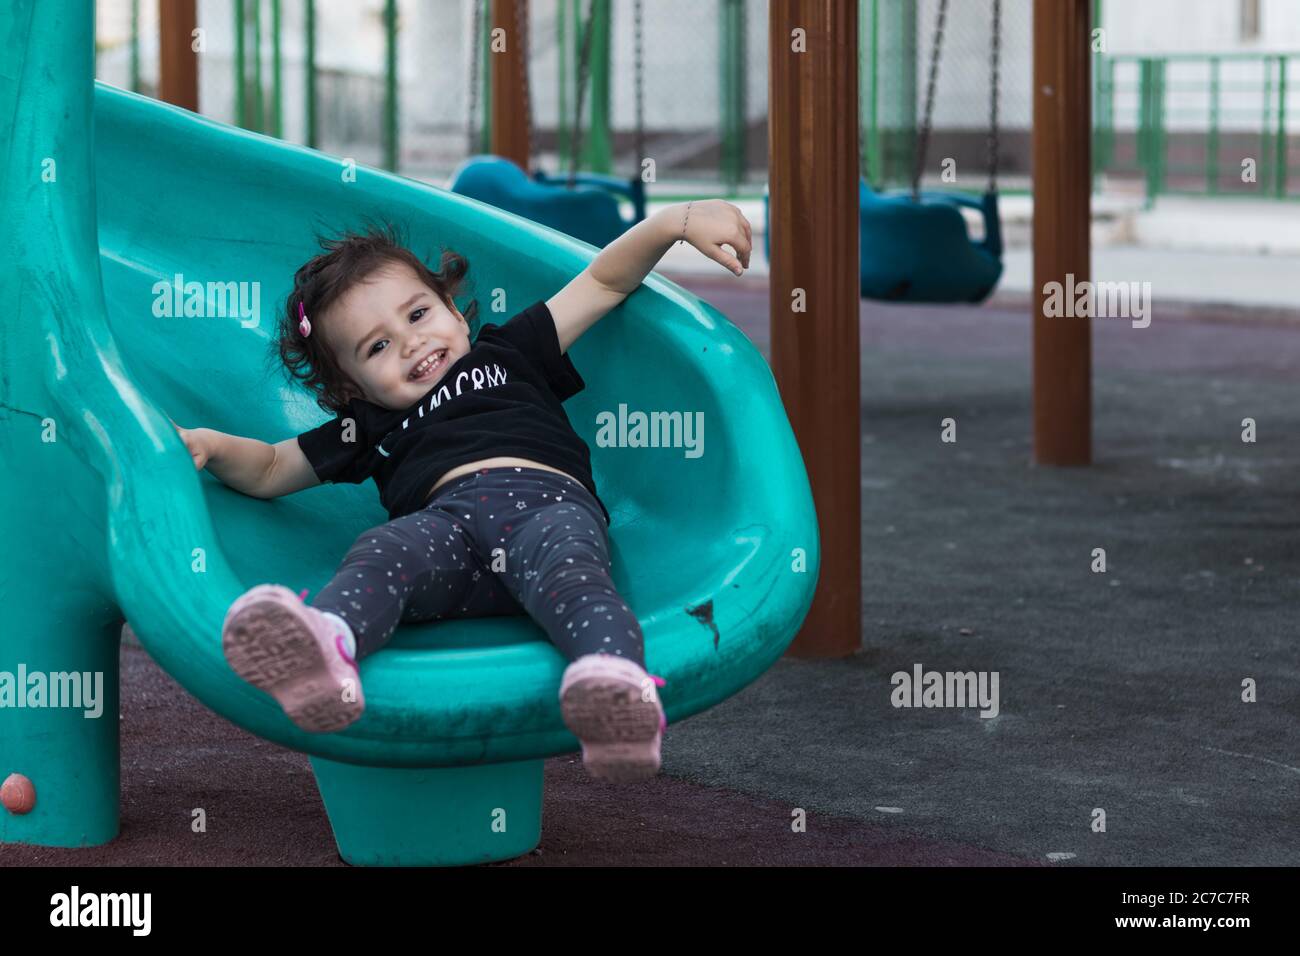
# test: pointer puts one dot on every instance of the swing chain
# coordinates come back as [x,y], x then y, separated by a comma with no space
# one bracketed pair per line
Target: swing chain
[583,59]
[929,103]
[993,99]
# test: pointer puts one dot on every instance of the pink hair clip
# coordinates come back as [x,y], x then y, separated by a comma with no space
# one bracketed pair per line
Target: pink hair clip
[303,325]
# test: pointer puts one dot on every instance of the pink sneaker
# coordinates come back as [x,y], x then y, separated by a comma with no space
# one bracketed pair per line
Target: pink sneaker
[288,649]
[611,706]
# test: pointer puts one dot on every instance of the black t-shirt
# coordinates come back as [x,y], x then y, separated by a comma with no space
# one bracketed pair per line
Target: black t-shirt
[502,398]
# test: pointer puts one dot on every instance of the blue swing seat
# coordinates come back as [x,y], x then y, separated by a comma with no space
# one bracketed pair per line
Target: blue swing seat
[920,251]
[589,211]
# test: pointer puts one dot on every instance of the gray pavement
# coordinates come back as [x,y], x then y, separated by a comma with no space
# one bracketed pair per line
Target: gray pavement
[1119,691]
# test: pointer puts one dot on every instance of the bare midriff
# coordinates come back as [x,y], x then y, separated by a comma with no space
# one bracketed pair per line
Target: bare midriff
[470,466]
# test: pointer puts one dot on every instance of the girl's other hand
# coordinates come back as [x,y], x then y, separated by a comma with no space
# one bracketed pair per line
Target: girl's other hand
[196,442]
[712,222]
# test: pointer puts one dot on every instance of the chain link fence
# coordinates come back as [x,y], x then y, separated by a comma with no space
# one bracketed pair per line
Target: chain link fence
[703,84]
[897,47]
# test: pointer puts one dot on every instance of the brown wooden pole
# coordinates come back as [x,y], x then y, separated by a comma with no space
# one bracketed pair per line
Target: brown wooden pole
[813,201]
[510,82]
[1062,221]
[178,64]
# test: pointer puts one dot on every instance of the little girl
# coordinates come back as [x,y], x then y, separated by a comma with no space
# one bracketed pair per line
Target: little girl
[489,492]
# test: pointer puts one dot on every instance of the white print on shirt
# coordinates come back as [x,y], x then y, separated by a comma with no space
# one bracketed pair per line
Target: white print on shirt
[478,378]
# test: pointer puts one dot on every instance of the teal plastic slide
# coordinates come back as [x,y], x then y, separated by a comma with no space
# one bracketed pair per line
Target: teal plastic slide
[111,200]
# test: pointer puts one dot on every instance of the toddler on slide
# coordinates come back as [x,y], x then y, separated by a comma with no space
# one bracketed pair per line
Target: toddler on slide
[492,506]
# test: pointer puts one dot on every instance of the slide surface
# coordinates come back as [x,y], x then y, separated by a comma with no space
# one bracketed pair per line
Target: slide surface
[705,539]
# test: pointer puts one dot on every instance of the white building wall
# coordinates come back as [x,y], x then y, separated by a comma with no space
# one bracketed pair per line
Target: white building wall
[1156,27]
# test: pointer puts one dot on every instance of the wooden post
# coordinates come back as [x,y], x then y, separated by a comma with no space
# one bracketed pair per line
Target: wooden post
[813,175]
[510,82]
[1062,221]
[178,64]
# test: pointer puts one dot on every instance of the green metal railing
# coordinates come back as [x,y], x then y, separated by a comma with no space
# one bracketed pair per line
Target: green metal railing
[390,85]
[258,92]
[1222,110]
[250,96]
[735,124]
[309,17]
[254,111]
[887,91]
[135,46]
[259,99]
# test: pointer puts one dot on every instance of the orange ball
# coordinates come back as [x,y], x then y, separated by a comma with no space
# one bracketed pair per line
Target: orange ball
[17,794]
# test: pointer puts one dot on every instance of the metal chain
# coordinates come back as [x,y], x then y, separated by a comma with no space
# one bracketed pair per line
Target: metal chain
[993,99]
[929,102]
[475,40]
[640,93]
[583,58]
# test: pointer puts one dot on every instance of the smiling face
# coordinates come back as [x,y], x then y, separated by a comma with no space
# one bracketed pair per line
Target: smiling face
[390,328]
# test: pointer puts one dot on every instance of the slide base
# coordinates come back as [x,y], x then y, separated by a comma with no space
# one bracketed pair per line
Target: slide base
[450,816]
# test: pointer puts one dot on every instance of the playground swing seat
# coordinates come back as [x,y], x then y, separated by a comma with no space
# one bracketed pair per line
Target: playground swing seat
[920,251]
[591,212]
[587,206]
[914,245]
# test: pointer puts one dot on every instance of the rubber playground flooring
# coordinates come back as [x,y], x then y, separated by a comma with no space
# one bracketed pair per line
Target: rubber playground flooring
[1119,691]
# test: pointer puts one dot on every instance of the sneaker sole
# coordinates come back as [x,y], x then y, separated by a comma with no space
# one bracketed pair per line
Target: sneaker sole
[618,730]
[272,648]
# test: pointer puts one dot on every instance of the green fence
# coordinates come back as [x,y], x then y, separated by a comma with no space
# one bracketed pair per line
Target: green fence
[269,68]
[1198,124]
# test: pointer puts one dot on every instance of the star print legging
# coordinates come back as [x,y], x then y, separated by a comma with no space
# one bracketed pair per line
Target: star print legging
[437,563]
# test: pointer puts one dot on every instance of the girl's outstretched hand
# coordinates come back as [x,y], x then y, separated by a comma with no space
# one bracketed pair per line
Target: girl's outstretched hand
[195,443]
[712,222]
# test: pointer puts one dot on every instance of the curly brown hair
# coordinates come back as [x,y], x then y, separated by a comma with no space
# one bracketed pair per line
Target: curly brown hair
[347,260]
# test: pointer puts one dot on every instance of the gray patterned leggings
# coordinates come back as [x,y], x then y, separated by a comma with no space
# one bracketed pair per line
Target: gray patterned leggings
[435,564]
